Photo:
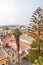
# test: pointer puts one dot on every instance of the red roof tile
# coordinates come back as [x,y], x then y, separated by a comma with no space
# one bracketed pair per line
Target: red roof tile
[23,45]
[7,39]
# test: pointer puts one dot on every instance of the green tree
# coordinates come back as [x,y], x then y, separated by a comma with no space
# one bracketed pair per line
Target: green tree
[36,30]
[17,34]
[36,25]
[39,61]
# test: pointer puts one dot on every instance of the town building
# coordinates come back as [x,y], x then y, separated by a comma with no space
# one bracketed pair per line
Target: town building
[3,57]
[25,41]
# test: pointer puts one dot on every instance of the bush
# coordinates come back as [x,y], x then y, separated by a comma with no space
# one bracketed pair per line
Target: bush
[39,61]
[33,54]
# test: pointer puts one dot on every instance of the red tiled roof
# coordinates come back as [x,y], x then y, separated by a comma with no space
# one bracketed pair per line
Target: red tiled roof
[7,39]
[23,45]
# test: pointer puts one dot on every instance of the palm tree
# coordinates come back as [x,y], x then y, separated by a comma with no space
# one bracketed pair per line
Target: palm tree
[17,34]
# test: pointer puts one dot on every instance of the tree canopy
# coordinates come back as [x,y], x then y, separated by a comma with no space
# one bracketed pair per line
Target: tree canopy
[36,23]
[36,29]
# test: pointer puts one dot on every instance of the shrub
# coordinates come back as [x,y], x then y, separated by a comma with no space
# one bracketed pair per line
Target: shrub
[33,54]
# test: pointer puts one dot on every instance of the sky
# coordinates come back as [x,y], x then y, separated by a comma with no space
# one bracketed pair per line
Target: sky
[18,12]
